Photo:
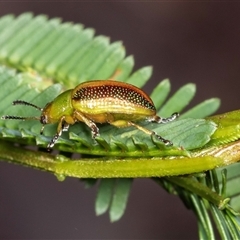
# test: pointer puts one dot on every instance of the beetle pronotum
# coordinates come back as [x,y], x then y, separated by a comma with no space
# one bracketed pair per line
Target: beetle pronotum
[100,101]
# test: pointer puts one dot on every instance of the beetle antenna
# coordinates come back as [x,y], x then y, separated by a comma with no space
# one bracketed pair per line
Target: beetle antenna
[21,102]
[19,118]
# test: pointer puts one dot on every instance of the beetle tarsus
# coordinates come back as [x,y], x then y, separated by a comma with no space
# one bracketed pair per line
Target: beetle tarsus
[170,119]
[42,128]
[165,141]
[94,130]
[52,142]
[158,119]
[65,127]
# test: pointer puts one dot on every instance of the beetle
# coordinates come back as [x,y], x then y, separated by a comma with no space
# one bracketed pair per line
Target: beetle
[98,101]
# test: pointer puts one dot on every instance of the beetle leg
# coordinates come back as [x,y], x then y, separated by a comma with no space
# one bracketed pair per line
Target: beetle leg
[165,141]
[164,120]
[62,126]
[149,132]
[94,129]
[123,123]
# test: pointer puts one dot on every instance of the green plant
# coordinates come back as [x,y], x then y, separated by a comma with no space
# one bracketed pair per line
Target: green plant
[40,70]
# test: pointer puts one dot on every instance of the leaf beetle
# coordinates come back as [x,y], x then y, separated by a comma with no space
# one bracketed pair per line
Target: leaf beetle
[99,101]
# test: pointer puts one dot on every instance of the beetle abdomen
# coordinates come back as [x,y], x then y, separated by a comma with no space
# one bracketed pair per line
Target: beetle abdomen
[109,96]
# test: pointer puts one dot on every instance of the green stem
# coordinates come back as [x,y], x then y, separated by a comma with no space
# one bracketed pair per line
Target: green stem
[200,189]
[129,167]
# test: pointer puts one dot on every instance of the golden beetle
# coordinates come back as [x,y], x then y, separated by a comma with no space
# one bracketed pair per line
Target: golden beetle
[99,101]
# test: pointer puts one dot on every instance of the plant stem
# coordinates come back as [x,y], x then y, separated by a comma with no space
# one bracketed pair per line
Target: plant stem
[200,189]
[129,167]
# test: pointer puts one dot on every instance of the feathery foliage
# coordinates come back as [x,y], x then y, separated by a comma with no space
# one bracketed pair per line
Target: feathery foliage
[40,57]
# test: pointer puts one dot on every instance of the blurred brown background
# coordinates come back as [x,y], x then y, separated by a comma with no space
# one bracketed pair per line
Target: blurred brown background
[185,41]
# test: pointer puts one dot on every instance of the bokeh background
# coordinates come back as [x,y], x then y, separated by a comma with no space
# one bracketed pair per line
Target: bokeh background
[185,41]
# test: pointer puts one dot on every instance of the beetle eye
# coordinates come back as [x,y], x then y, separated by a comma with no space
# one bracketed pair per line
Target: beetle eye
[43,119]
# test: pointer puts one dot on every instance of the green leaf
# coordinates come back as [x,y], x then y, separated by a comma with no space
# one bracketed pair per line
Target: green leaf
[228,128]
[112,63]
[63,52]
[9,35]
[202,110]
[104,195]
[179,100]
[29,37]
[120,199]
[140,77]
[89,182]
[233,180]
[204,222]
[225,218]
[123,69]
[161,92]
[221,225]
